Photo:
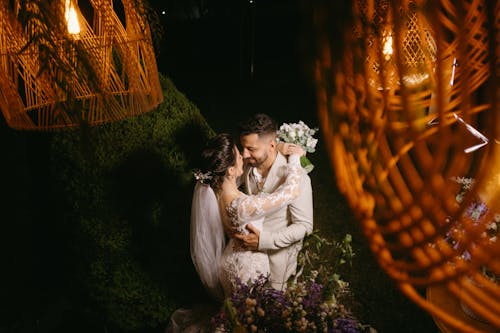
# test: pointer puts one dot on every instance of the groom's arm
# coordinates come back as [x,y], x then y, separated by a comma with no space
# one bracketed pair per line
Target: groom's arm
[301,215]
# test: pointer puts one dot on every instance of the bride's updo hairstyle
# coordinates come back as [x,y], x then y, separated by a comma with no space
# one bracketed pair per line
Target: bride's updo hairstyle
[217,156]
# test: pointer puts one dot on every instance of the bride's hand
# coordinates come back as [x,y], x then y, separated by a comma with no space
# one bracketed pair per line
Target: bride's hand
[294,149]
[291,149]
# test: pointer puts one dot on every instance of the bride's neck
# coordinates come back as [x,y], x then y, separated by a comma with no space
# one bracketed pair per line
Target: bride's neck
[229,187]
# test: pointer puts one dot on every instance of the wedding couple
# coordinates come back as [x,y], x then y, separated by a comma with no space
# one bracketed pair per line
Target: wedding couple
[264,223]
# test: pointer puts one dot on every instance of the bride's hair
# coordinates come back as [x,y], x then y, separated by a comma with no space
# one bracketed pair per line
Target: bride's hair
[217,156]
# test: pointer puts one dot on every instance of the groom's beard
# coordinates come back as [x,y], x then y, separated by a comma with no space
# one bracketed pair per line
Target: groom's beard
[254,162]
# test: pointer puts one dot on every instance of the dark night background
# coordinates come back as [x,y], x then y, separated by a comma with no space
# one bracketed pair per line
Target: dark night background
[231,58]
[234,58]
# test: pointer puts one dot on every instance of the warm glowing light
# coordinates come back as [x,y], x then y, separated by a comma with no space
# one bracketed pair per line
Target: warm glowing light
[415,79]
[387,47]
[72,18]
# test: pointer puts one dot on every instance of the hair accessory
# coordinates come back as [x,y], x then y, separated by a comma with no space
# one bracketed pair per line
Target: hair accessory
[201,176]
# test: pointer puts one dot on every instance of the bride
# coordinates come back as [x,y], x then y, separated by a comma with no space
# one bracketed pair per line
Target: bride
[222,164]
[219,209]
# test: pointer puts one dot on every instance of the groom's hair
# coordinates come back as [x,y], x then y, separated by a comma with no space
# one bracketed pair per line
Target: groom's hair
[260,124]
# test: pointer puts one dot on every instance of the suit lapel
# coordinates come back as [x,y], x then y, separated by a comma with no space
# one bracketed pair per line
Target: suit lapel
[249,183]
[275,175]
[273,180]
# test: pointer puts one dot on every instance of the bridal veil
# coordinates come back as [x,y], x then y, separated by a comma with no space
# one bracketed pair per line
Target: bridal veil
[207,238]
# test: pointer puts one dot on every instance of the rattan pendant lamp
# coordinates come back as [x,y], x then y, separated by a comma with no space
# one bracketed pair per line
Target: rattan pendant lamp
[63,65]
[410,113]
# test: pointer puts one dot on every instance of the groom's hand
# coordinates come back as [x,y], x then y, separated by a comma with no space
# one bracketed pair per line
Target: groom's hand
[250,241]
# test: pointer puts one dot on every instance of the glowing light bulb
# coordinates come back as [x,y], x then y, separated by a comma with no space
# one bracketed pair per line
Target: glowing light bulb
[71,18]
[387,47]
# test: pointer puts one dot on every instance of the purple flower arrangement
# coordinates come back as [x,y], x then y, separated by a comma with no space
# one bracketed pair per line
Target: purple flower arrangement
[478,213]
[310,303]
[257,307]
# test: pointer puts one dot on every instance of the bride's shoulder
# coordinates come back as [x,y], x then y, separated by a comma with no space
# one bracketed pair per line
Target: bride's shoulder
[231,199]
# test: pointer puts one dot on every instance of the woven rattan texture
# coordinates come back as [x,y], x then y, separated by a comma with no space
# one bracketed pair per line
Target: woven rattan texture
[403,120]
[50,79]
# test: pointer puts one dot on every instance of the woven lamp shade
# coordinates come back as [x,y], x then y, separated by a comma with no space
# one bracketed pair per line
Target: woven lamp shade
[53,75]
[410,115]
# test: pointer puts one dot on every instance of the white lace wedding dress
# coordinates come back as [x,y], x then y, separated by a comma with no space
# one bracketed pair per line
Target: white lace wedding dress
[219,265]
[237,263]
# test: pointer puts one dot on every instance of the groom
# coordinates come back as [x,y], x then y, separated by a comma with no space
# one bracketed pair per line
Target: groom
[284,229]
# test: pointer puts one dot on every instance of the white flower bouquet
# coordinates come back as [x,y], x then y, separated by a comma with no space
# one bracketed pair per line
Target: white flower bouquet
[302,135]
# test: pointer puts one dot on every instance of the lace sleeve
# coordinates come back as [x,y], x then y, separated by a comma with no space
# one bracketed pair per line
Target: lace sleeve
[255,206]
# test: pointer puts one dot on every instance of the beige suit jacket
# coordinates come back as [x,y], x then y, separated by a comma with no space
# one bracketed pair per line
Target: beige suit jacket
[284,229]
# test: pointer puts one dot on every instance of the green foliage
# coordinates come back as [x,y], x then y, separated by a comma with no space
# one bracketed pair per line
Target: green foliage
[127,192]
[322,259]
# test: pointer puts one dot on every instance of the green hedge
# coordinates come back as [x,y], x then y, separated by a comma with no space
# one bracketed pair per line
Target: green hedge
[127,193]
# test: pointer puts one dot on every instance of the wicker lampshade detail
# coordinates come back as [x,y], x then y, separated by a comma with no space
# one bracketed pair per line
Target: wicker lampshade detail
[62,65]
[411,123]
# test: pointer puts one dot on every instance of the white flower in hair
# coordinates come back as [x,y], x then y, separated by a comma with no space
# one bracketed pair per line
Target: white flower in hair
[202,176]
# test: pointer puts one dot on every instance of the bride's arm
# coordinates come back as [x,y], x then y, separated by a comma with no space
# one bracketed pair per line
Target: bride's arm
[262,204]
